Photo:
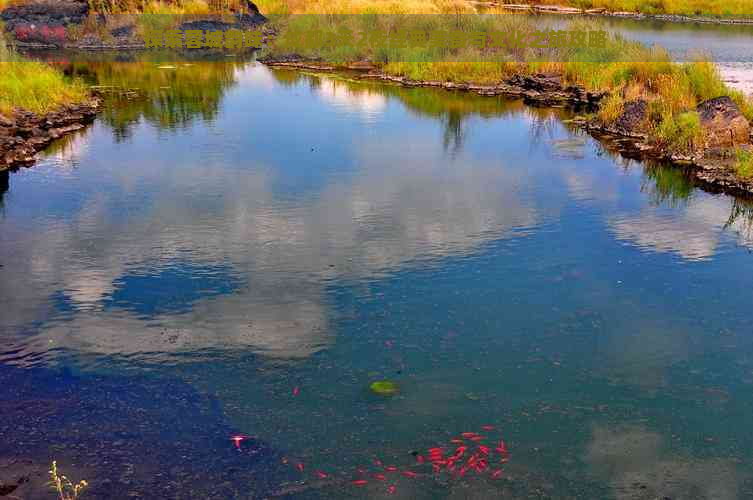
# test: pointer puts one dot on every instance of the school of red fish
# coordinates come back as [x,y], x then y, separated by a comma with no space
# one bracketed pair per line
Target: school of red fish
[470,456]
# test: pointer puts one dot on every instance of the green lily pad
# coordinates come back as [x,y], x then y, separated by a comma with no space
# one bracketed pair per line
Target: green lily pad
[384,388]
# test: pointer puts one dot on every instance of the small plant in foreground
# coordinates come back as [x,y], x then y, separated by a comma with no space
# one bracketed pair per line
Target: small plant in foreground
[65,489]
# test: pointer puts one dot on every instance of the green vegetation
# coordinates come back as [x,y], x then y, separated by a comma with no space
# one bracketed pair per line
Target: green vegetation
[34,86]
[714,8]
[744,163]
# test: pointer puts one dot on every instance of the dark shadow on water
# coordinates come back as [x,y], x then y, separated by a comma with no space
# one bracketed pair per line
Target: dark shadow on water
[129,436]
[4,184]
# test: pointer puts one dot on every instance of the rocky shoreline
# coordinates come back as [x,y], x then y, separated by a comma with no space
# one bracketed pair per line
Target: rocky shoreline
[24,134]
[561,10]
[713,168]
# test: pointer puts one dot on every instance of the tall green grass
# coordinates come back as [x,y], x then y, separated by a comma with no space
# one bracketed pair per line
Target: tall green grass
[34,86]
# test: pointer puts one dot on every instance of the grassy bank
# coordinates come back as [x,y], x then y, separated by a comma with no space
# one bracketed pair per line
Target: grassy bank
[34,86]
[711,8]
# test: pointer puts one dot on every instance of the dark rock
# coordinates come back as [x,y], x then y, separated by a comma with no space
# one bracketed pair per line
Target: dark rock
[634,118]
[538,83]
[723,123]
[123,31]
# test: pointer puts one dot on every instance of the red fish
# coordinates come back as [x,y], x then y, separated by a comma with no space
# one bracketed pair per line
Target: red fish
[502,448]
[483,449]
[468,434]
[457,441]
[408,473]
[487,427]
[360,482]
[377,462]
[391,489]
[299,467]
[420,459]
[435,450]
[379,477]
[322,475]
[476,438]
[496,474]
[391,468]
[296,391]
[237,440]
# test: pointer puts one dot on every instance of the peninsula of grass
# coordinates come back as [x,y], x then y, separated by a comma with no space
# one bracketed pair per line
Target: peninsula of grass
[624,70]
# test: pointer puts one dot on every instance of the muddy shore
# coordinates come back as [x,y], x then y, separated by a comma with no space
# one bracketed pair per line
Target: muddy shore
[712,169]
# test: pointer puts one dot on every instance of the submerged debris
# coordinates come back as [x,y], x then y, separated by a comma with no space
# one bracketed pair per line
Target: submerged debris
[384,388]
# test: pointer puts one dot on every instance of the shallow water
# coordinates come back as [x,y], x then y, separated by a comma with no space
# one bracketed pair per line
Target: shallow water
[262,245]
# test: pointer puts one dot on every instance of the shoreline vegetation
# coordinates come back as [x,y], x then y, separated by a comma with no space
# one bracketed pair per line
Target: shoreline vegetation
[729,11]
[38,104]
[681,112]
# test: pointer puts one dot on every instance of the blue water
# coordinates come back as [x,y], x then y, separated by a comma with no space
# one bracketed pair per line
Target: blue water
[178,274]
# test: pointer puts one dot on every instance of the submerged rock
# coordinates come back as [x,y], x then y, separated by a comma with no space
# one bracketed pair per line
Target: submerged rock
[723,123]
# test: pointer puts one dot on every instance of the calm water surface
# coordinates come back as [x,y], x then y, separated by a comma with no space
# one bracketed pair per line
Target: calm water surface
[243,251]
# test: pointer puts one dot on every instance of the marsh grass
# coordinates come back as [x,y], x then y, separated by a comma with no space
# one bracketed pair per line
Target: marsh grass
[34,86]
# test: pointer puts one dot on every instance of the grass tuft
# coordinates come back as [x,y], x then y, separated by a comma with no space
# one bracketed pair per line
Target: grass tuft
[34,86]
[744,163]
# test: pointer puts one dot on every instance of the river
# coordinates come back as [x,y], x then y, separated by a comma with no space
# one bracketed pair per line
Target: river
[242,251]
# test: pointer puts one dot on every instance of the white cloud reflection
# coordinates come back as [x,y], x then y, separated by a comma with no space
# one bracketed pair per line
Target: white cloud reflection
[410,203]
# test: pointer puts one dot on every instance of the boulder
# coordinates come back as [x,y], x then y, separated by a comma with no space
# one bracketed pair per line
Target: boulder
[723,123]
[634,117]
[538,83]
